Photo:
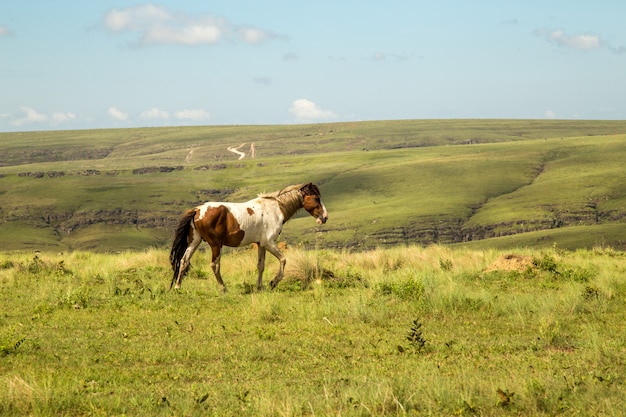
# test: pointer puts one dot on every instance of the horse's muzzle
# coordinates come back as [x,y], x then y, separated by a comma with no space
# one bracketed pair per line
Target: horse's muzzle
[321,220]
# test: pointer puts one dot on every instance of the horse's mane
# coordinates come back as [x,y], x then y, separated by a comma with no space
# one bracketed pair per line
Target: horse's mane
[289,199]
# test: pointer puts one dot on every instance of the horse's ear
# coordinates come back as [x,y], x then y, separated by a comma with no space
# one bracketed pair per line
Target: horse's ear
[310,189]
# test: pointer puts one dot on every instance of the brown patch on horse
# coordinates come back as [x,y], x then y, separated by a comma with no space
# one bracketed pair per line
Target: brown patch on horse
[250,211]
[219,227]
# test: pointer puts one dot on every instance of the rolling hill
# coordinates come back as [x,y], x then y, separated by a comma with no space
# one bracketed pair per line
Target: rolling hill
[476,182]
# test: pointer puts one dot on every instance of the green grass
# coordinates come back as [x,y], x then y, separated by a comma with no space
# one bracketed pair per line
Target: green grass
[402,331]
[384,183]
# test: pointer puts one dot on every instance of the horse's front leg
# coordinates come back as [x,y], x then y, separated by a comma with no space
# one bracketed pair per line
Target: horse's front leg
[215,266]
[260,267]
[281,264]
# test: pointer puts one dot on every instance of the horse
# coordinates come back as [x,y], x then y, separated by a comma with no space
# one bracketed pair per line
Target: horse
[259,221]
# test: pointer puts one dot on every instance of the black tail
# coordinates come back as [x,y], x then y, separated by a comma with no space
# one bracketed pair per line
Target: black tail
[179,246]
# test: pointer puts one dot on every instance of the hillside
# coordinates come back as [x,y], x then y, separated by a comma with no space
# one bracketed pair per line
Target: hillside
[384,183]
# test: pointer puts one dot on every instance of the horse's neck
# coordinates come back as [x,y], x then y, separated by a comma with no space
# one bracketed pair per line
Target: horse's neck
[289,203]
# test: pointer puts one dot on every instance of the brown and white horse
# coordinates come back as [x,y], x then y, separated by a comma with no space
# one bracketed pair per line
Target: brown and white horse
[259,221]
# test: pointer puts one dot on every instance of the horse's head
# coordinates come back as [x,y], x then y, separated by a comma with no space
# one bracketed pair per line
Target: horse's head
[313,203]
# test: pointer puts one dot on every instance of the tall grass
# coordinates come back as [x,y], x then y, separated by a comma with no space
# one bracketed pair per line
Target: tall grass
[402,331]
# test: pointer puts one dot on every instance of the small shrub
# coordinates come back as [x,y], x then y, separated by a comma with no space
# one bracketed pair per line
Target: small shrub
[591,293]
[578,274]
[546,263]
[549,265]
[407,289]
[415,338]
[8,264]
[75,299]
[247,288]
[554,337]
[505,397]
[38,266]
[10,340]
[445,264]
[350,279]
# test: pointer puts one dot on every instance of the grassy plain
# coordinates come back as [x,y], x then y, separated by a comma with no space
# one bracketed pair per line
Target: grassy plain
[397,331]
[368,321]
[385,183]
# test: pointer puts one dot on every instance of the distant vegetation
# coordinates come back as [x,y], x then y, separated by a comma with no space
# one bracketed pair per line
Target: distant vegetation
[384,183]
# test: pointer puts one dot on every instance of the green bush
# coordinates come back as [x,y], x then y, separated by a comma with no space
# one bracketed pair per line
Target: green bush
[405,289]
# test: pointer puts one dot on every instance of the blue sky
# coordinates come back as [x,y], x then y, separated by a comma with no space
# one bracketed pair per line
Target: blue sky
[74,64]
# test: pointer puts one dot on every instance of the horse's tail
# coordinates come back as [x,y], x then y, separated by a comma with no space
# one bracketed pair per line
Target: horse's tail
[179,246]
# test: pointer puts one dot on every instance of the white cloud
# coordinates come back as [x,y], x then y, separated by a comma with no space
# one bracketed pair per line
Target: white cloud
[190,35]
[306,110]
[136,18]
[63,117]
[157,25]
[254,35]
[117,114]
[560,38]
[378,56]
[382,56]
[30,116]
[550,114]
[194,115]
[154,113]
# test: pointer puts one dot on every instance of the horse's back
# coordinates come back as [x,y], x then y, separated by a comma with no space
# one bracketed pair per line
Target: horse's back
[257,219]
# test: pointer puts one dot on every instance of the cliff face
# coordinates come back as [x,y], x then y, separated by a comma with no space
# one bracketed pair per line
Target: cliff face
[439,232]
[163,217]
[455,230]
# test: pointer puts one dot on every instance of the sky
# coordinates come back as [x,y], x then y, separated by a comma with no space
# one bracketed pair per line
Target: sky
[77,64]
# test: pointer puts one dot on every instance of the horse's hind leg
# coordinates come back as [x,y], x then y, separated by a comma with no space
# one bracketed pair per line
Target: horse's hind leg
[282,260]
[184,263]
[260,267]
[215,266]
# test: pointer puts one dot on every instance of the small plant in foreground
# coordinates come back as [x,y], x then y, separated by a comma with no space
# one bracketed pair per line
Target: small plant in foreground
[445,264]
[505,397]
[415,338]
[10,341]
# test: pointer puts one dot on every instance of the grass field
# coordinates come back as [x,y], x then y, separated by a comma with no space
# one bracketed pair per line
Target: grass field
[468,267]
[384,183]
[399,331]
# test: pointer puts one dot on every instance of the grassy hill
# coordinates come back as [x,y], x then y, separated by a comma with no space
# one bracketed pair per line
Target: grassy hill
[472,182]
